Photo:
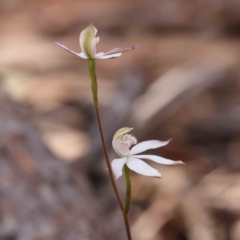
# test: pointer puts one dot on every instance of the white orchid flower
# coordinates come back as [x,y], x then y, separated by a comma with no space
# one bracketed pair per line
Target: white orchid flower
[88,42]
[122,143]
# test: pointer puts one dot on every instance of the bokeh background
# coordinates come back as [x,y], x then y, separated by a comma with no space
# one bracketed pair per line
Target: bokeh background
[182,83]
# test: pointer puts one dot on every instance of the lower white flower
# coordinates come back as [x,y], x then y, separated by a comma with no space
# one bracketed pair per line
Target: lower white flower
[122,143]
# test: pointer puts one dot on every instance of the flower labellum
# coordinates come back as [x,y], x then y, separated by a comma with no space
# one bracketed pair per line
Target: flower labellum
[122,143]
[88,42]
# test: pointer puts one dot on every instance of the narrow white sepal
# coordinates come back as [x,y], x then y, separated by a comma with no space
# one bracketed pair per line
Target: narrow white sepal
[141,167]
[121,50]
[103,56]
[158,159]
[67,49]
[146,145]
[117,166]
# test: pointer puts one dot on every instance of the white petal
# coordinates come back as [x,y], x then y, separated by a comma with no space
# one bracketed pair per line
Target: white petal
[117,165]
[143,146]
[82,55]
[67,49]
[160,160]
[100,56]
[141,167]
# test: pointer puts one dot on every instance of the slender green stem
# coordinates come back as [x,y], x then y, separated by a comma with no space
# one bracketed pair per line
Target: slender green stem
[127,173]
[92,67]
[92,71]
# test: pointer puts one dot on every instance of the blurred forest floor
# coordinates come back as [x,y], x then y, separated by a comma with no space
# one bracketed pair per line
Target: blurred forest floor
[182,83]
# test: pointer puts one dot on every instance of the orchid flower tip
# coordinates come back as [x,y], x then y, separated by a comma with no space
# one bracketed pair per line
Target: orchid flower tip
[179,163]
[58,44]
[134,47]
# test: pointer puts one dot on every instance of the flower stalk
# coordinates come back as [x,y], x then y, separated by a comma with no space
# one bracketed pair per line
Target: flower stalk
[92,72]
[127,173]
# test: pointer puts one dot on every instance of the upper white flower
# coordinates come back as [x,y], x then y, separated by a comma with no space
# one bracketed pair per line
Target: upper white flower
[88,42]
[122,143]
